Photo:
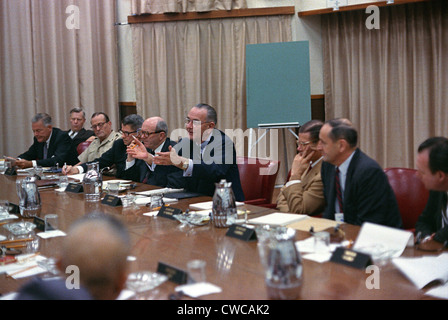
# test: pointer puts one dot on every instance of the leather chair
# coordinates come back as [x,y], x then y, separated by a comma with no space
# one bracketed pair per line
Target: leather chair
[83,146]
[410,192]
[258,178]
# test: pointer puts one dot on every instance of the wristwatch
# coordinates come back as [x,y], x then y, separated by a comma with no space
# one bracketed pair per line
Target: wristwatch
[185,164]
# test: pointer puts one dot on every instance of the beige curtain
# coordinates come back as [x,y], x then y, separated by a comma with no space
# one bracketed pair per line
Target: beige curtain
[162,6]
[179,64]
[391,82]
[55,55]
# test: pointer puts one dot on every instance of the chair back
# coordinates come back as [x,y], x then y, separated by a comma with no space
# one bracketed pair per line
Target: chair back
[83,146]
[410,192]
[258,179]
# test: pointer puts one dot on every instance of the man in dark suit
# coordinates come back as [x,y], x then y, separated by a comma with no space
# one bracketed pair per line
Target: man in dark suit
[77,132]
[356,188]
[153,136]
[51,145]
[206,156]
[116,156]
[432,169]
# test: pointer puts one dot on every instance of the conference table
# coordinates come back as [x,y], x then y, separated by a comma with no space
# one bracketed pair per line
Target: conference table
[232,264]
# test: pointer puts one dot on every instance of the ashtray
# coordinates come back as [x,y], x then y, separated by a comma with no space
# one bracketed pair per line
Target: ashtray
[145,280]
[20,228]
[192,218]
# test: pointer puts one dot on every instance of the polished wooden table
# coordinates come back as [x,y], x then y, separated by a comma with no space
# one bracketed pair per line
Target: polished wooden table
[232,264]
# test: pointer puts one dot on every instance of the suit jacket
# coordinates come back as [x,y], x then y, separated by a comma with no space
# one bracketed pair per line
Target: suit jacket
[60,150]
[82,136]
[53,289]
[216,162]
[368,197]
[116,157]
[305,197]
[430,221]
[160,175]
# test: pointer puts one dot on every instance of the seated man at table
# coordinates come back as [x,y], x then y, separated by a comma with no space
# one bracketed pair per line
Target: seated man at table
[51,145]
[116,156]
[77,132]
[93,259]
[205,157]
[303,193]
[153,136]
[355,186]
[105,137]
[432,169]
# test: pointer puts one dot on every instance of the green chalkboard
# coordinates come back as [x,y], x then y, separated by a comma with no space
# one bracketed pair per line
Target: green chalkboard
[278,84]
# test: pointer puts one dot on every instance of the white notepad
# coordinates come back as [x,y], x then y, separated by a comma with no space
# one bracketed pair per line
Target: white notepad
[278,219]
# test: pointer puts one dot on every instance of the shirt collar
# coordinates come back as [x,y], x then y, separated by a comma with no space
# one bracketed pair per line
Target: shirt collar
[343,168]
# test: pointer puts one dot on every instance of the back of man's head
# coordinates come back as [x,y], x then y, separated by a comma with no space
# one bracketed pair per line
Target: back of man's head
[98,245]
[437,153]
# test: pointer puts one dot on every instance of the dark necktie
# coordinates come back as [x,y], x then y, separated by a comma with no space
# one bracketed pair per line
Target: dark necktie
[148,173]
[338,190]
[45,150]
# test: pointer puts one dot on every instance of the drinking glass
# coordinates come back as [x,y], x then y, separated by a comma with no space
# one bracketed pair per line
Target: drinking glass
[4,209]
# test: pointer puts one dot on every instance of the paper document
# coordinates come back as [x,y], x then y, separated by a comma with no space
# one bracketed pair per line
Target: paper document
[208,205]
[423,270]
[158,191]
[318,224]
[391,239]
[278,219]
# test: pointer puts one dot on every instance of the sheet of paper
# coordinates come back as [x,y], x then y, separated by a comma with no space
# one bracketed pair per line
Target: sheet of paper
[198,289]
[78,177]
[51,234]
[377,235]
[318,224]
[423,270]
[440,292]
[278,219]
[158,191]
[145,200]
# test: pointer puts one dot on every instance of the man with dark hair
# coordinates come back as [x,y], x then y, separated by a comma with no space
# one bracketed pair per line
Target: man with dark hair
[432,169]
[205,157]
[303,193]
[77,132]
[356,189]
[116,157]
[51,145]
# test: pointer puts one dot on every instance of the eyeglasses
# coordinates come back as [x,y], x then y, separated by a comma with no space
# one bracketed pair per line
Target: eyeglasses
[146,134]
[302,143]
[99,125]
[195,122]
[126,133]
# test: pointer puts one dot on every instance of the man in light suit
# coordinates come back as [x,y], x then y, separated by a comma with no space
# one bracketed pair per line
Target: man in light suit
[303,193]
[205,157]
[51,145]
[432,169]
[356,188]
[153,136]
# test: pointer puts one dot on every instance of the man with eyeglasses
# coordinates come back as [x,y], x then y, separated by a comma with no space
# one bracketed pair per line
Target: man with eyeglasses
[105,137]
[303,193]
[205,157]
[116,157]
[77,132]
[51,145]
[153,139]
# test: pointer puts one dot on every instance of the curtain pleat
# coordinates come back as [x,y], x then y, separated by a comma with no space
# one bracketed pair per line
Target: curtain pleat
[164,6]
[49,65]
[389,81]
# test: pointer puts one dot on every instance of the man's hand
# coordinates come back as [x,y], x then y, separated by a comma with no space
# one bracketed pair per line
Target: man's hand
[23,164]
[69,170]
[137,150]
[170,158]
[300,164]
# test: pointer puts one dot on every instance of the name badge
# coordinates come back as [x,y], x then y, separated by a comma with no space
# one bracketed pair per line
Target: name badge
[351,258]
[74,188]
[241,232]
[111,200]
[168,212]
[174,275]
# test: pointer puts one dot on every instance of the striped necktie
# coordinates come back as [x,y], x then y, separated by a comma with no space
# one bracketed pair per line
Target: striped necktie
[338,190]
[45,150]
